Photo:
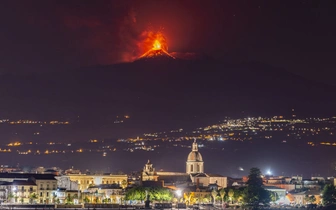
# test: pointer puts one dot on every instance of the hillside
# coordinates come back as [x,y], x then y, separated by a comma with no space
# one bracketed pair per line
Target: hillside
[163,93]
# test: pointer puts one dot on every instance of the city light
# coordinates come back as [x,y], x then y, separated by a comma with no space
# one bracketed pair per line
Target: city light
[178,193]
[269,172]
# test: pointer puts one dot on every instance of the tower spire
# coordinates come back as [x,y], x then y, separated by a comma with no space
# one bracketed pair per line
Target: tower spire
[194,146]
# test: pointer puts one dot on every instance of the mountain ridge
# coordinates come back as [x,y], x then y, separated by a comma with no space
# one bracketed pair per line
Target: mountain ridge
[157,91]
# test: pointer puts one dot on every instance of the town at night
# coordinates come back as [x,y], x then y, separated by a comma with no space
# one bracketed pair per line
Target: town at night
[155,104]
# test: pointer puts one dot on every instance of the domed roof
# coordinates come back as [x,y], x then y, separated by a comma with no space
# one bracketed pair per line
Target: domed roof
[195,156]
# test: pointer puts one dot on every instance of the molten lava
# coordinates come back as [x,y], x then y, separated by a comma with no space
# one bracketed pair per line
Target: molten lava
[155,45]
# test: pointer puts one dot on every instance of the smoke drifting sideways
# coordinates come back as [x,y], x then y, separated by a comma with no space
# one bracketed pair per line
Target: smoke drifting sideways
[115,40]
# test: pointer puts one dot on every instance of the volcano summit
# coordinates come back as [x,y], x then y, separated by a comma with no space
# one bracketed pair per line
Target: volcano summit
[157,51]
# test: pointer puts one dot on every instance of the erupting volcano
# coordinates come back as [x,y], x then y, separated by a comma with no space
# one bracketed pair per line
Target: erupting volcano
[158,48]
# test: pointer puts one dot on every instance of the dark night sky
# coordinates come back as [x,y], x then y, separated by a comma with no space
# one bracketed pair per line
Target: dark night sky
[44,36]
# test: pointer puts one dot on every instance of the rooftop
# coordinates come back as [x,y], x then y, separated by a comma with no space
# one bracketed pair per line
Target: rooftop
[27,176]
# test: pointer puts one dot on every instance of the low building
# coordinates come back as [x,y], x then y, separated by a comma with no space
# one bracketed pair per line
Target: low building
[205,179]
[18,191]
[111,193]
[85,181]
[64,196]
[282,194]
[235,182]
[287,187]
[300,197]
[64,182]
[46,184]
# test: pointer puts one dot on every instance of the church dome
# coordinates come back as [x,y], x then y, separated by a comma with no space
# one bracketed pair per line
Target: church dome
[194,162]
[195,156]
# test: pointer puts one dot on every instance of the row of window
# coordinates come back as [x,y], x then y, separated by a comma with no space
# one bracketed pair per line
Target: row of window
[192,168]
[103,182]
[41,186]
[47,194]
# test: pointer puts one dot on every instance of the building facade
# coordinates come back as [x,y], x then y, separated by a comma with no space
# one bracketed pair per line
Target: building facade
[149,173]
[46,189]
[194,162]
[194,173]
[22,186]
[18,191]
[85,181]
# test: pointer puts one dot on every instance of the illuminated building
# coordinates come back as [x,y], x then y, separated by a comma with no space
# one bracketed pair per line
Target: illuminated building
[148,173]
[194,173]
[84,181]
[45,185]
[195,162]
[20,191]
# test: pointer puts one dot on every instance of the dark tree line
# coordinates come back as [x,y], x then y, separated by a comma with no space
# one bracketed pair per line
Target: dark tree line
[329,195]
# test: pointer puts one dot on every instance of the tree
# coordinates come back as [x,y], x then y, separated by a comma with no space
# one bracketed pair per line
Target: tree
[75,196]
[274,196]
[10,196]
[136,193]
[68,199]
[231,194]
[312,199]
[16,198]
[329,194]
[32,197]
[189,198]
[124,184]
[155,194]
[306,198]
[222,194]
[238,194]
[54,197]
[86,199]
[214,194]
[105,200]
[254,193]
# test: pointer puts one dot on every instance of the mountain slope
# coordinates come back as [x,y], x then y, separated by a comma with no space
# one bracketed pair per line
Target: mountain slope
[164,93]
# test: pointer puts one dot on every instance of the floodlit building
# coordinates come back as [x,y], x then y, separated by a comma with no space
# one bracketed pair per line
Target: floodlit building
[18,191]
[299,196]
[194,162]
[113,193]
[45,186]
[194,173]
[83,181]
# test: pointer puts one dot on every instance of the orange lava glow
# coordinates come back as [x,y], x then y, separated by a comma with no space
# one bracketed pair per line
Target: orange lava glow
[156,45]
[153,43]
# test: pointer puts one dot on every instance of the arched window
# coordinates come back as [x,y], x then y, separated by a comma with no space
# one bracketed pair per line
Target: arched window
[198,168]
[191,168]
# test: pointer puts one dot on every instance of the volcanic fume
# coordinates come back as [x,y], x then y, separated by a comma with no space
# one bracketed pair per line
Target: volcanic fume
[157,51]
